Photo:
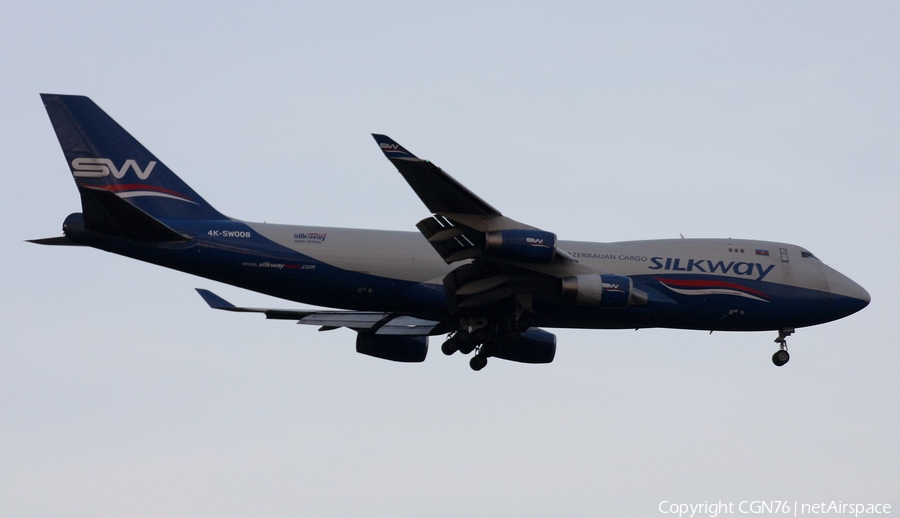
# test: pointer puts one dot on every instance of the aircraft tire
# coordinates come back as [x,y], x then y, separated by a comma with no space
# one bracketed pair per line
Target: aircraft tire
[478,362]
[449,347]
[780,358]
[467,347]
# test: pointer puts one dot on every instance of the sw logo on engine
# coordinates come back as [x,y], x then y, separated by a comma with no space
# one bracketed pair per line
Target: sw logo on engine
[102,167]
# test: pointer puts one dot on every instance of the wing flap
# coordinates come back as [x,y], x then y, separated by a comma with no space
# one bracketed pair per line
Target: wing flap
[349,319]
[408,326]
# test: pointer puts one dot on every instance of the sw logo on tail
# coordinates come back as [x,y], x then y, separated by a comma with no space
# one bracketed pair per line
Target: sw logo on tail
[100,167]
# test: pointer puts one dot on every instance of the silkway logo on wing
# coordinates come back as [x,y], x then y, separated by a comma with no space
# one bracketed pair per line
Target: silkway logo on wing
[101,167]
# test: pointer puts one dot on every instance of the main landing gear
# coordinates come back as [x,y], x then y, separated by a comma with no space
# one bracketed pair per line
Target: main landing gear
[781,356]
[483,336]
[461,341]
[466,342]
[478,362]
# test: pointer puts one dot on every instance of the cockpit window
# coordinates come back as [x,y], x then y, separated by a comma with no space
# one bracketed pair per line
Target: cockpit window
[804,253]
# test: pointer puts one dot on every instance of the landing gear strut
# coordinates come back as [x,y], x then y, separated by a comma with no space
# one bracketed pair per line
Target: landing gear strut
[781,356]
[484,334]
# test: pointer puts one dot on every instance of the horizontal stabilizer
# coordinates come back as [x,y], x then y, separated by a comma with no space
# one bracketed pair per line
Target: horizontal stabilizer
[107,213]
[54,241]
[375,322]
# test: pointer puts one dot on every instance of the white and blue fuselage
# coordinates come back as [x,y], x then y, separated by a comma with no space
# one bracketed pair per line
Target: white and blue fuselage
[487,281]
[706,284]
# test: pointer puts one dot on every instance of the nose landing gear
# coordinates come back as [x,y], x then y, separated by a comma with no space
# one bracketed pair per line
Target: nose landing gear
[781,356]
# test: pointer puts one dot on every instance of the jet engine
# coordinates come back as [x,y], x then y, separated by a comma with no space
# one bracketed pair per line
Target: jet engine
[410,349]
[608,290]
[533,346]
[527,246]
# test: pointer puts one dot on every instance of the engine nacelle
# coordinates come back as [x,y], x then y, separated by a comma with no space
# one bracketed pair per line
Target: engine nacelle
[527,246]
[395,348]
[533,346]
[608,291]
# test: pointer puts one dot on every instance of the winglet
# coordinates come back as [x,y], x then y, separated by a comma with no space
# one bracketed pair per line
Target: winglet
[438,190]
[217,302]
[391,149]
[214,301]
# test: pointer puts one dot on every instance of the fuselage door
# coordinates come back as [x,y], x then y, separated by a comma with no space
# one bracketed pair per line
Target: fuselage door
[785,263]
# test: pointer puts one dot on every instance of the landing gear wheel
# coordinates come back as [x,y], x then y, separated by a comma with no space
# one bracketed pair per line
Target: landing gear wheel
[467,347]
[478,362]
[450,346]
[780,358]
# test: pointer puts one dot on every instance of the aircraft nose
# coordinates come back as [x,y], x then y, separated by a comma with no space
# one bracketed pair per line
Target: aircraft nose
[846,292]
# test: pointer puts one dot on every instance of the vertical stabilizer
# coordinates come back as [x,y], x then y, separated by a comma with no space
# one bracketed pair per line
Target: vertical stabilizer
[110,166]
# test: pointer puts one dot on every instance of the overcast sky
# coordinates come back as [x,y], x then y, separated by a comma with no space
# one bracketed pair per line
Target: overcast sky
[122,394]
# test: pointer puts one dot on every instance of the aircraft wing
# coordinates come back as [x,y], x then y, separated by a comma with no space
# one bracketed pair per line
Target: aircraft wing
[375,322]
[508,258]
[442,194]
[462,220]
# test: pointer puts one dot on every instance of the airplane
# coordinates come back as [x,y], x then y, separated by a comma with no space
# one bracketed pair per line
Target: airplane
[488,282]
